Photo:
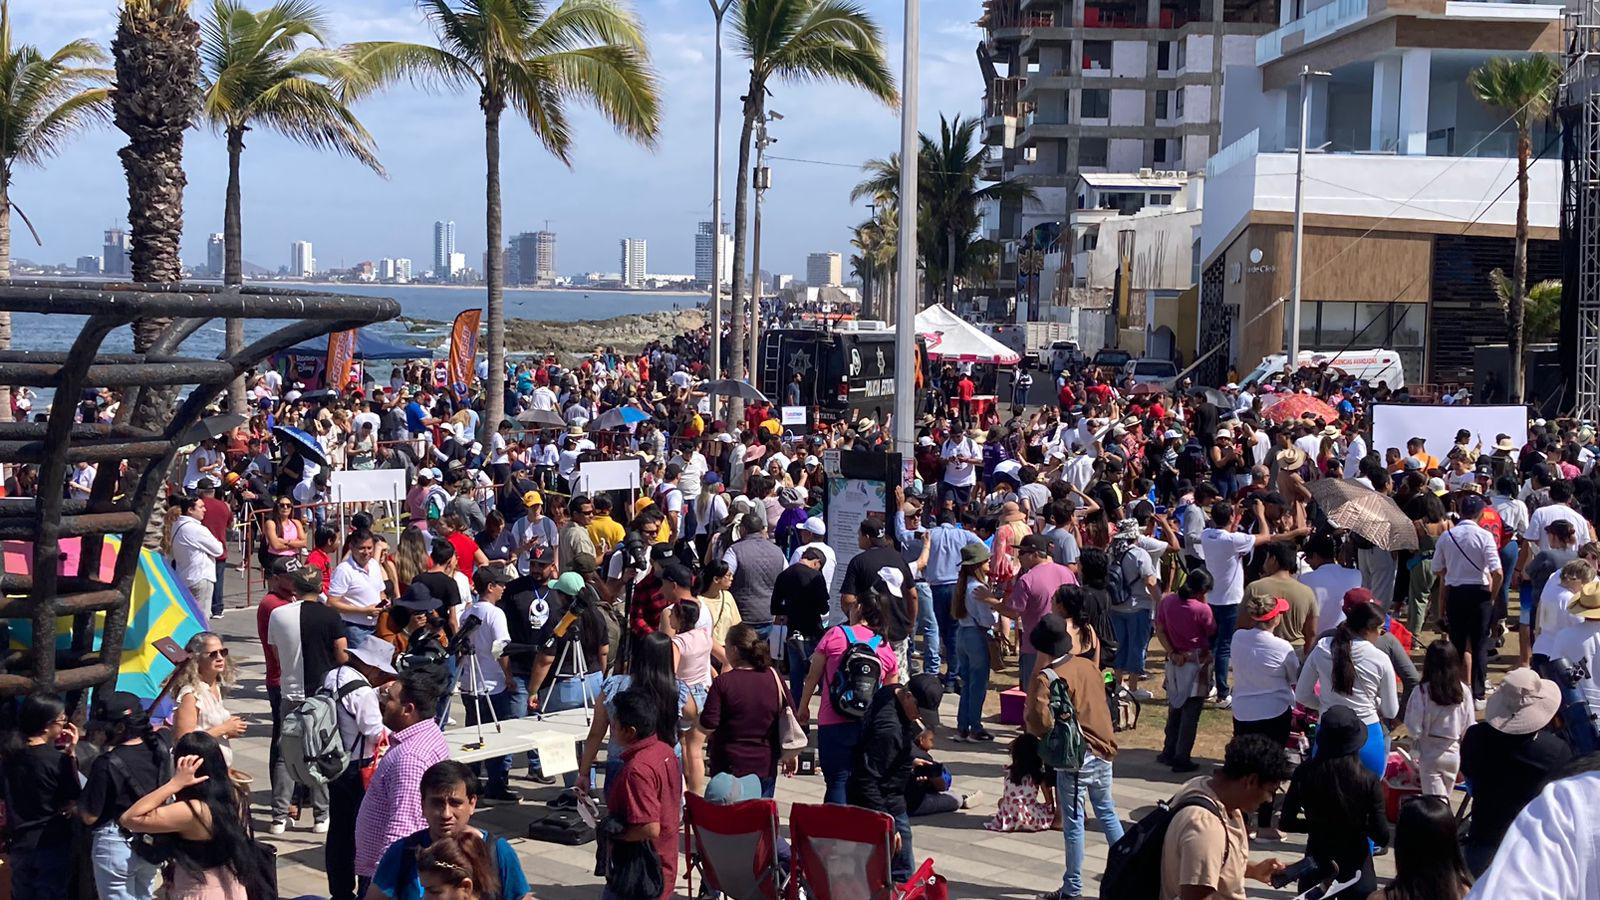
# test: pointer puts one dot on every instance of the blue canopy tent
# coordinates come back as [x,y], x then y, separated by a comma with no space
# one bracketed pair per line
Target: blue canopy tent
[305,362]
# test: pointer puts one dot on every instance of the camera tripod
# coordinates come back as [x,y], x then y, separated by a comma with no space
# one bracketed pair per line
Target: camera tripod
[472,674]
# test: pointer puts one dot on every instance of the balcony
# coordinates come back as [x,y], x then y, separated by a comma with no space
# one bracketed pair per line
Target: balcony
[1002,99]
[1007,20]
[1341,15]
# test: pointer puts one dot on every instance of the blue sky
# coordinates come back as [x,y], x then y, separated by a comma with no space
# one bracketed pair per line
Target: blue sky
[432,146]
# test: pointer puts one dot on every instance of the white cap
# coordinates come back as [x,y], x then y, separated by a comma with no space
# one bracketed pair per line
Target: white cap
[924,441]
[724,438]
[1436,485]
[813,461]
[1171,434]
[815,526]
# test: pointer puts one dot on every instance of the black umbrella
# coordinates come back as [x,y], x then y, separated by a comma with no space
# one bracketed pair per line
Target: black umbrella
[535,419]
[319,396]
[211,427]
[1216,397]
[728,387]
[301,443]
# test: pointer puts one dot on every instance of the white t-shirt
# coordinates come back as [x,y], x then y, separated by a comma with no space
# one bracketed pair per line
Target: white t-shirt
[1329,582]
[1224,553]
[1539,523]
[358,587]
[1549,852]
[360,719]
[1374,695]
[960,474]
[1553,616]
[1353,456]
[1265,668]
[497,450]
[1581,643]
[487,641]
[694,469]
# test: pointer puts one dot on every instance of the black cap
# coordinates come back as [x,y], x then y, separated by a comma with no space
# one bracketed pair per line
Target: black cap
[307,580]
[1037,543]
[584,564]
[418,598]
[116,706]
[281,565]
[678,574]
[1050,636]
[544,556]
[484,576]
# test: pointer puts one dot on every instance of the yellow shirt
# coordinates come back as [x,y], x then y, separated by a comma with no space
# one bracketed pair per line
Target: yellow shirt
[605,532]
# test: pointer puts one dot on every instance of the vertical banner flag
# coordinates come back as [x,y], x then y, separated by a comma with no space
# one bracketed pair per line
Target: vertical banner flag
[341,358]
[463,348]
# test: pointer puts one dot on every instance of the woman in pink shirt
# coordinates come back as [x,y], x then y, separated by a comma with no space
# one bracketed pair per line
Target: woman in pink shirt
[836,732]
[691,655]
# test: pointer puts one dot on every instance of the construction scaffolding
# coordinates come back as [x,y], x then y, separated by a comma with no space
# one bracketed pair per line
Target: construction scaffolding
[123,496]
[1580,207]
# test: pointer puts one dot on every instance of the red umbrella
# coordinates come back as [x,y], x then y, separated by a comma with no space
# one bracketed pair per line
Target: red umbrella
[1298,406]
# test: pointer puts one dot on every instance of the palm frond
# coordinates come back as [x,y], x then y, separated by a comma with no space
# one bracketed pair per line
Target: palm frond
[378,63]
[617,82]
[312,113]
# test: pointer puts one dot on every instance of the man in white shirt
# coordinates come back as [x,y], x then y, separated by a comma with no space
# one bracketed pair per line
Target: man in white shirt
[308,640]
[1354,453]
[1467,562]
[961,458]
[1549,852]
[360,729]
[814,533]
[1328,580]
[485,673]
[195,551]
[543,398]
[356,591]
[1224,550]
[205,460]
[1579,644]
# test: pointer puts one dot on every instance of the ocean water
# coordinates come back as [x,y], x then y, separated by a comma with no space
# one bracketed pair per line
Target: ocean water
[34,331]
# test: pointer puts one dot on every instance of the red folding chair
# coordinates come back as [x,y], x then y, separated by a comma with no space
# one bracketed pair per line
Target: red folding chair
[844,853]
[734,846]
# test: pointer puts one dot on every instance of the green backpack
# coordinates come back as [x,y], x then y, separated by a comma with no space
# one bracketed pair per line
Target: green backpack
[1063,748]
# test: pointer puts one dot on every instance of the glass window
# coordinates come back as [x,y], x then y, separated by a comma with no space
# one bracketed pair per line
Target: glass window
[1162,151]
[1164,55]
[1177,103]
[1337,325]
[1092,152]
[1095,105]
[1409,326]
[1163,104]
[1097,55]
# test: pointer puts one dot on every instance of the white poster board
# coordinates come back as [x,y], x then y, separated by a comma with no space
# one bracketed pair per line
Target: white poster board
[1395,423]
[369,486]
[850,502]
[613,475]
[794,415]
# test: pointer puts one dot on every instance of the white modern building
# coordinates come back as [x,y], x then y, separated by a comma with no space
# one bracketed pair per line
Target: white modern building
[1409,194]
[444,245]
[402,270]
[302,264]
[703,242]
[633,262]
[824,269]
[455,265]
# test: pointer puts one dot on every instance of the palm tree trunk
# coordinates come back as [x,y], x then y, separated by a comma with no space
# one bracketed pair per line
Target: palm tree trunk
[494,403]
[950,267]
[741,215]
[233,257]
[1519,266]
[5,276]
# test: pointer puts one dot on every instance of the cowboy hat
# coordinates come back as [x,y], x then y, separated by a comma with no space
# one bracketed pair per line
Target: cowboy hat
[1523,704]
[1586,603]
[1503,442]
[1291,458]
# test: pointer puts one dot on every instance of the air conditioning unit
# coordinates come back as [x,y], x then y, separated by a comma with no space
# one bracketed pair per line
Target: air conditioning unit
[1146,173]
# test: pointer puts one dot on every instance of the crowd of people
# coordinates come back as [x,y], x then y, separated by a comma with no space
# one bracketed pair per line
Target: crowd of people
[1119,549]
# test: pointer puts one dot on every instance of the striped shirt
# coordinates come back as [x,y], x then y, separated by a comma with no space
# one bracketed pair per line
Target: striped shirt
[392,807]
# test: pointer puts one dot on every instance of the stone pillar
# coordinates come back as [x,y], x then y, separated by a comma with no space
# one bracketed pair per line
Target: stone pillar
[1412,116]
[1385,104]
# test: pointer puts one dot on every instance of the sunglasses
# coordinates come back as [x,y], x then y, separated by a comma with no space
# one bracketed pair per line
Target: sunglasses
[218,654]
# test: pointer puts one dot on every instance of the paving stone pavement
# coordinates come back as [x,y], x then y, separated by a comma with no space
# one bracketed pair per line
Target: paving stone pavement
[978,863]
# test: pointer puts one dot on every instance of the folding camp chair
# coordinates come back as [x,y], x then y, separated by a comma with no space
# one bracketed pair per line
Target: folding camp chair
[844,853]
[734,846]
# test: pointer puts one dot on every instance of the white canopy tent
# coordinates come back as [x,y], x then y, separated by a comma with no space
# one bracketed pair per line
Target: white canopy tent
[952,338]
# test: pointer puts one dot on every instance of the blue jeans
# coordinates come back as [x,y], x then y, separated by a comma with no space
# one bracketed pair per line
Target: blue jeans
[441,716]
[972,661]
[355,633]
[927,628]
[1095,779]
[836,750]
[118,874]
[943,594]
[1132,631]
[762,630]
[216,589]
[904,861]
[479,709]
[1508,564]
[797,655]
[1025,671]
[1222,645]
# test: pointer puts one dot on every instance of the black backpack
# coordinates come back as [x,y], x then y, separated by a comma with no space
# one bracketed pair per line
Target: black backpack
[1133,866]
[858,677]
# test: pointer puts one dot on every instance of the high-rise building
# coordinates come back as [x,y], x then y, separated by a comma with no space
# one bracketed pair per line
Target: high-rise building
[301,263]
[455,265]
[88,265]
[444,244]
[402,270]
[702,254]
[633,265]
[115,256]
[216,256]
[823,269]
[545,255]
[386,269]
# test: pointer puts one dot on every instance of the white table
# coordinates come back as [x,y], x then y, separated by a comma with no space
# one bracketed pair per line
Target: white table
[555,736]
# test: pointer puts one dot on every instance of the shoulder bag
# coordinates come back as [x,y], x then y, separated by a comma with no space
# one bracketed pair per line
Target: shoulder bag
[792,738]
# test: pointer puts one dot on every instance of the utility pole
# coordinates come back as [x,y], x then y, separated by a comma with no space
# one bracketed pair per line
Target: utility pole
[719,10]
[1306,74]
[761,179]
[905,345]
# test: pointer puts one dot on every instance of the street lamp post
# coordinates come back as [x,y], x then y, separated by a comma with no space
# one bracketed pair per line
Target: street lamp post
[1306,74]
[720,11]
[761,180]
[905,345]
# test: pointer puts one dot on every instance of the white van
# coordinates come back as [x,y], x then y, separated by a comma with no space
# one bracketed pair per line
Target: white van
[1371,366]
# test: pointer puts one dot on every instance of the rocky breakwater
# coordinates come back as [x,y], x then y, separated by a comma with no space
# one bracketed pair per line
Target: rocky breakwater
[628,334]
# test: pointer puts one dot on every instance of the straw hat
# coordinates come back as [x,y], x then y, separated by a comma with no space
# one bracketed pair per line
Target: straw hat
[1586,603]
[1523,704]
[1291,457]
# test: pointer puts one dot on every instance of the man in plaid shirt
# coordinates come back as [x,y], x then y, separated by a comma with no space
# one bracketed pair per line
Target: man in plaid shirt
[392,807]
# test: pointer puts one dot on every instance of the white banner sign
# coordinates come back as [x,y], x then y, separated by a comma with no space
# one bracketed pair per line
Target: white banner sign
[614,475]
[1395,423]
[369,486]
[794,415]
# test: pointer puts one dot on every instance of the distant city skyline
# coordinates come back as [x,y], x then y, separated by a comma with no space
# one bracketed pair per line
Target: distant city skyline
[432,147]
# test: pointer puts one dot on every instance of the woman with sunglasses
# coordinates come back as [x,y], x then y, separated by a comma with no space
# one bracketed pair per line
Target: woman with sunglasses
[282,532]
[199,685]
[41,785]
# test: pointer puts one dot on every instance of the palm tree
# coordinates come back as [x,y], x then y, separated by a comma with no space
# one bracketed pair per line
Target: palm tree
[44,101]
[519,56]
[157,56]
[1542,310]
[795,40]
[1524,88]
[257,74]
[874,265]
